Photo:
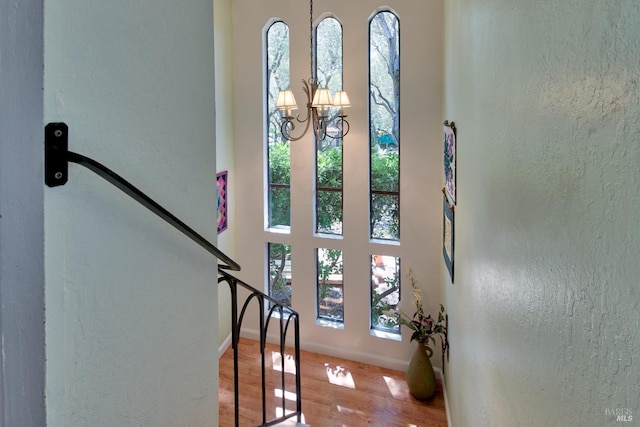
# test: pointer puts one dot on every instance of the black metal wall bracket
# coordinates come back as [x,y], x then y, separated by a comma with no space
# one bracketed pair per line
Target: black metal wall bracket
[56,161]
[56,145]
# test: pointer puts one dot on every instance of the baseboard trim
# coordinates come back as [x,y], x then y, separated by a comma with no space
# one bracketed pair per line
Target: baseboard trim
[385,362]
[224,346]
[439,372]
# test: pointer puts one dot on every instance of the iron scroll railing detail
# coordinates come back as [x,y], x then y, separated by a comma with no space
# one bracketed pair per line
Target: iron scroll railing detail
[57,157]
[286,317]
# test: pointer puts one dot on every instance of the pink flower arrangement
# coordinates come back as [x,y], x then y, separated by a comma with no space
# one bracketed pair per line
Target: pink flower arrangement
[423,325]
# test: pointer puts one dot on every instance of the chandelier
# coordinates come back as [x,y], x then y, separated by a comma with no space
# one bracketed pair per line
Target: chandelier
[319,101]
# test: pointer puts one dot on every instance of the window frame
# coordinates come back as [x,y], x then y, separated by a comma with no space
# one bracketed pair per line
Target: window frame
[373,192]
[269,111]
[317,144]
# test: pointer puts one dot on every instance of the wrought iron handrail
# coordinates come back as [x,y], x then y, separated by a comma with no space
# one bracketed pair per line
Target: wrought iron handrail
[57,157]
[286,315]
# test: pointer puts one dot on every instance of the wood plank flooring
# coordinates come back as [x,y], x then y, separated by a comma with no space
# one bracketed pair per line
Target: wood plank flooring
[335,392]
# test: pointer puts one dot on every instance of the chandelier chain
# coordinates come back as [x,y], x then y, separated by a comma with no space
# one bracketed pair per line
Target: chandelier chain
[311,38]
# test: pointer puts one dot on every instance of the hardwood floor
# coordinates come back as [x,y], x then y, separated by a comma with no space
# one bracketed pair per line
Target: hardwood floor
[335,392]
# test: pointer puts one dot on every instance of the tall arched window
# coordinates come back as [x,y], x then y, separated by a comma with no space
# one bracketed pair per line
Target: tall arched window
[328,73]
[278,162]
[277,148]
[384,126]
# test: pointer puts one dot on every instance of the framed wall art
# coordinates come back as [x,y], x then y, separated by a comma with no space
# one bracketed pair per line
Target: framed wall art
[222,179]
[450,160]
[448,226]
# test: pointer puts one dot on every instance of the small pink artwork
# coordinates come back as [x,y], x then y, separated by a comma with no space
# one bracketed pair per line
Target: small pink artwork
[450,160]
[221,190]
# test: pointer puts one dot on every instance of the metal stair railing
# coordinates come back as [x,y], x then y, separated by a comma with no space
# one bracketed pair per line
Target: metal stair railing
[285,316]
[57,158]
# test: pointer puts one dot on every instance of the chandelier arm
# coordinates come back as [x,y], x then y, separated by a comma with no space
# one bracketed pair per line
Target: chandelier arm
[288,126]
[343,124]
[306,119]
[321,130]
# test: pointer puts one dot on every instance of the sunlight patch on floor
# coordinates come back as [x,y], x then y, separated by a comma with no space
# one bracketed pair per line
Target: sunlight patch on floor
[289,363]
[287,394]
[291,421]
[338,375]
[396,387]
[345,410]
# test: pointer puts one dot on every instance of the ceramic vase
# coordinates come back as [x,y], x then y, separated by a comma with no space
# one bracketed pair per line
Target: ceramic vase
[420,376]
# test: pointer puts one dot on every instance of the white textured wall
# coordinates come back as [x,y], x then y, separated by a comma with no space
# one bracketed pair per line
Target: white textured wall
[131,324]
[421,201]
[545,307]
[225,159]
[21,216]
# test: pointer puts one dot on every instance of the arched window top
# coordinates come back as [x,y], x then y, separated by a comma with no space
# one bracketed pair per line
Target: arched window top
[327,19]
[328,55]
[273,21]
[276,36]
[383,9]
[384,125]
[278,26]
